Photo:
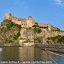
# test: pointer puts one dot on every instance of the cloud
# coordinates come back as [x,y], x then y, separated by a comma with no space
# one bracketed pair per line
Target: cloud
[59,2]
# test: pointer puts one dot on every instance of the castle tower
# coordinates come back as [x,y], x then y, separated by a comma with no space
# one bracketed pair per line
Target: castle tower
[8,16]
[30,21]
[30,17]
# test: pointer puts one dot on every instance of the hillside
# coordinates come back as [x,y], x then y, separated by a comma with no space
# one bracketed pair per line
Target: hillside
[9,32]
[15,34]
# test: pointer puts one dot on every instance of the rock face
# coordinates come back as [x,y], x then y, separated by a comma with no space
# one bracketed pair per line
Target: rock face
[25,33]
[9,33]
[26,36]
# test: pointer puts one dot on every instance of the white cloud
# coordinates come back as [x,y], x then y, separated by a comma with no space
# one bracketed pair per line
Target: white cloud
[59,2]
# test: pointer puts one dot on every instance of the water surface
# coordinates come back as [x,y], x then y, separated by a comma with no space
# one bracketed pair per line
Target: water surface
[31,54]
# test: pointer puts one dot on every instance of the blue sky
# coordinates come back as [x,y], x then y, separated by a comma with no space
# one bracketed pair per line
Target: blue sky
[43,11]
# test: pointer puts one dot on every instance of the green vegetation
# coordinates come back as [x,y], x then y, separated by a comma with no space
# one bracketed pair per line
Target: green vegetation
[58,29]
[10,25]
[19,26]
[37,29]
[55,29]
[56,39]
[16,36]
[9,32]
[35,25]
[8,41]
[38,39]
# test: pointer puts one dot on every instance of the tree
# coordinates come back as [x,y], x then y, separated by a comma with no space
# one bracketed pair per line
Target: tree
[10,25]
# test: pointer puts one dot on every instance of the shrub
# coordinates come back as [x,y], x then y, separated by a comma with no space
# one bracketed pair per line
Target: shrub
[37,30]
[38,40]
[19,26]
[16,36]
[57,39]
[10,25]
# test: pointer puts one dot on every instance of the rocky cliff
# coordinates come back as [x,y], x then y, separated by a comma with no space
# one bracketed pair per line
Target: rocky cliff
[14,34]
[9,33]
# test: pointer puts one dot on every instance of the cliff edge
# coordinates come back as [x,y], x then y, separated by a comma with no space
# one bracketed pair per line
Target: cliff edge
[21,31]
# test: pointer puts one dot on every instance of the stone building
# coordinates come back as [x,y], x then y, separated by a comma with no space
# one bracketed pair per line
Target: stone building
[20,21]
[30,22]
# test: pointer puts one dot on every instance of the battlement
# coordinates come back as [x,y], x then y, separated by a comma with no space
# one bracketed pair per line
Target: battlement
[29,22]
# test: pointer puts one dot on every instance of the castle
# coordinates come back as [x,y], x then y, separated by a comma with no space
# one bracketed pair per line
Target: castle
[29,22]
[28,35]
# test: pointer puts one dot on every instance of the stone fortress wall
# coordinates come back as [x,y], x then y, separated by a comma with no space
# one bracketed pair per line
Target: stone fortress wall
[29,22]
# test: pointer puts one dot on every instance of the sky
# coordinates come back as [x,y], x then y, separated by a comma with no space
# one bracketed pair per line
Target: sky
[42,11]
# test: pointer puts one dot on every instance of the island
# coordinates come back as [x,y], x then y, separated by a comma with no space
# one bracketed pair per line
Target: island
[28,32]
